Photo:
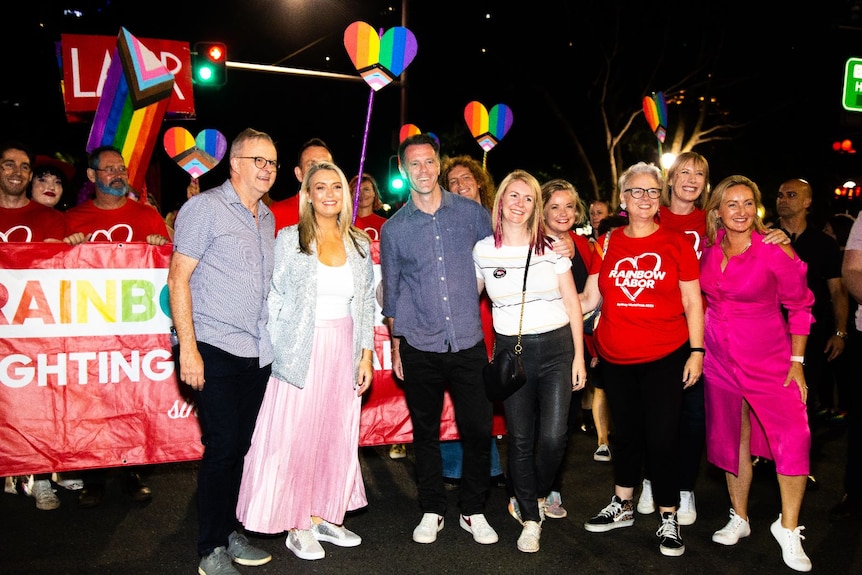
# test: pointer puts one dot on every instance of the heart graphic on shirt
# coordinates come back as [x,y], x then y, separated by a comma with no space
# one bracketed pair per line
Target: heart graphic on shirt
[623,272]
[5,236]
[108,235]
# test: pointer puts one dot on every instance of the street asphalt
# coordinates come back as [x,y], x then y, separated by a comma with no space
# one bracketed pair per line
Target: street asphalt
[122,537]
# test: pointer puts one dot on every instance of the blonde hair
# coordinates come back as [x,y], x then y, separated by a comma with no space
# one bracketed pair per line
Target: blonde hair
[699,163]
[536,223]
[561,185]
[716,197]
[308,227]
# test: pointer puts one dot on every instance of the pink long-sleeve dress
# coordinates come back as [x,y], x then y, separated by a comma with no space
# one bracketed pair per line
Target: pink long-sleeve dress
[748,354]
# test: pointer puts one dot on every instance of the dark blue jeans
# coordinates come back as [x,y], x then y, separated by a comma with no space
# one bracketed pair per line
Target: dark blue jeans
[426,375]
[227,410]
[540,407]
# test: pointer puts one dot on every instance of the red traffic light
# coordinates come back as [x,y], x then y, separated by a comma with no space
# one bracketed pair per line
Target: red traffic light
[843,146]
[216,52]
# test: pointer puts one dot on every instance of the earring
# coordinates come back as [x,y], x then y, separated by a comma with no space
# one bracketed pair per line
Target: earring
[622,206]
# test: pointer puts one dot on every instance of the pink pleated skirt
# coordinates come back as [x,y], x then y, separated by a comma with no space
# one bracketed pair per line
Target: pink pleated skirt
[304,455]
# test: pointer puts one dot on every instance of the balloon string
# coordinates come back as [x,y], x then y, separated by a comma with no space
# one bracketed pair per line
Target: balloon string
[362,157]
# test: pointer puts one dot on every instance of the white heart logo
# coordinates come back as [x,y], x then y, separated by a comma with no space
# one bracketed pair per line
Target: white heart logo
[632,275]
[5,236]
[109,234]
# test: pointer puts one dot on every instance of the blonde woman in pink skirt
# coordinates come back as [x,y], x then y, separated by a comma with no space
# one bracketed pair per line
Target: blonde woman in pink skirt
[302,471]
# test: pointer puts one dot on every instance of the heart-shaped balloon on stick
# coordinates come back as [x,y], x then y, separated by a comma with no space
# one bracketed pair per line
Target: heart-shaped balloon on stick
[488,127]
[196,155]
[408,130]
[379,58]
[655,110]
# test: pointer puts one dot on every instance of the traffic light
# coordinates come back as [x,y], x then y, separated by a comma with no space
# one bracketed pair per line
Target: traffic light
[208,64]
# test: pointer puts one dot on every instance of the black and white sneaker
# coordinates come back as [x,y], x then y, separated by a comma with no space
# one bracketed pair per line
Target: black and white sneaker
[670,541]
[617,514]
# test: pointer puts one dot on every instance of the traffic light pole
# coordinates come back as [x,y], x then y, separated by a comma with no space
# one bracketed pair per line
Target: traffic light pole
[292,71]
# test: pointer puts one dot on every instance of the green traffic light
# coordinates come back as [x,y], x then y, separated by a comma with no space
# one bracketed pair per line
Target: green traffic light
[205,73]
[397,184]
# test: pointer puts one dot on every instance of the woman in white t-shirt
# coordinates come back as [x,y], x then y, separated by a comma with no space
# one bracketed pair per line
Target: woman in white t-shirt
[553,346]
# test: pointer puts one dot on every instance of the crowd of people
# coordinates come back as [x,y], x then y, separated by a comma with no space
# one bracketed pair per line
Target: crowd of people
[636,320]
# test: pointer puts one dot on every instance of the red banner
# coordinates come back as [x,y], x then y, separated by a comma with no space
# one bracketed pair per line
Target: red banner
[87,377]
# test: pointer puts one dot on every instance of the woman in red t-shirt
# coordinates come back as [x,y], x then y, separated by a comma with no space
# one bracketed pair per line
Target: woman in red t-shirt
[649,337]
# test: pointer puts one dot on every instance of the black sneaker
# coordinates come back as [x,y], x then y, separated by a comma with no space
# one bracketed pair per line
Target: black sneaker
[617,514]
[670,541]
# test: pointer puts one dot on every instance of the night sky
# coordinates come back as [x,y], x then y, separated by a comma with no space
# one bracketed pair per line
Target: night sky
[776,75]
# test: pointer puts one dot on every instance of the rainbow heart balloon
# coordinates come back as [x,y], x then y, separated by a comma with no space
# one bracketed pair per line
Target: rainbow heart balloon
[408,130]
[196,155]
[655,110]
[379,59]
[488,127]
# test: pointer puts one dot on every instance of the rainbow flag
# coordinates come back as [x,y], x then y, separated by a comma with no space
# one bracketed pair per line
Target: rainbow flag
[134,100]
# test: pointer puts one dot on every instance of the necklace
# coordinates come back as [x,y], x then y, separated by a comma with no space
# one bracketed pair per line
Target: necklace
[725,249]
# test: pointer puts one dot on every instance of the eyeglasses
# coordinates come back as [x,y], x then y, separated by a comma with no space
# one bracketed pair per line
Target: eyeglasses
[260,162]
[638,193]
[113,170]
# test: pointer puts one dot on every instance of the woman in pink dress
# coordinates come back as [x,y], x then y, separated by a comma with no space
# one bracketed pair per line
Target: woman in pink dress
[755,387]
[302,471]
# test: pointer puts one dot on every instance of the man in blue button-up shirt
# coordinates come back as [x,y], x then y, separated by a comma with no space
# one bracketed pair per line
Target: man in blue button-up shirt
[431,302]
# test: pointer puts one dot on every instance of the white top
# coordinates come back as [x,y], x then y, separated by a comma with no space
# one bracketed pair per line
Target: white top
[334,291]
[503,272]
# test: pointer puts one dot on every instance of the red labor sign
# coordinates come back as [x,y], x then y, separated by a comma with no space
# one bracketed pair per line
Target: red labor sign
[86,59]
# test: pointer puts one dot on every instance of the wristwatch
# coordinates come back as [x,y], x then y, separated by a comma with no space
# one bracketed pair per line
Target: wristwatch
[841,334]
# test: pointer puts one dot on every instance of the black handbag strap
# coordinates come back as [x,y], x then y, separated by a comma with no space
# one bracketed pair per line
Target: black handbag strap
[518,347]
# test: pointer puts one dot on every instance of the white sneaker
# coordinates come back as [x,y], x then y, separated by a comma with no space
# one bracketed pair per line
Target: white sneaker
[304,545]
[335,534]
[736,529]
[44,495]
[791,545]
[646,505]
[687,512]
[426,531]
[602,453]
[480,528]
[528,541]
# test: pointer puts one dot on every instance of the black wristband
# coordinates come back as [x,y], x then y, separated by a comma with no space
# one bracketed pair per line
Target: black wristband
[700,349]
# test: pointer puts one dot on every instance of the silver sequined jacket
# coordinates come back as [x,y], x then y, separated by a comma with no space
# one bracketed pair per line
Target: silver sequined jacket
[292,303]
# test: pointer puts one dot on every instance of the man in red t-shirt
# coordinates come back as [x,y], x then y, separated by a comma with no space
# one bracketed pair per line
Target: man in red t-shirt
[286,211]
[112,215]
[23,220]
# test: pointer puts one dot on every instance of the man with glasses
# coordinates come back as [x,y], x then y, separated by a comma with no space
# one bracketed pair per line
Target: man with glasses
[225,237]
[111,215]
